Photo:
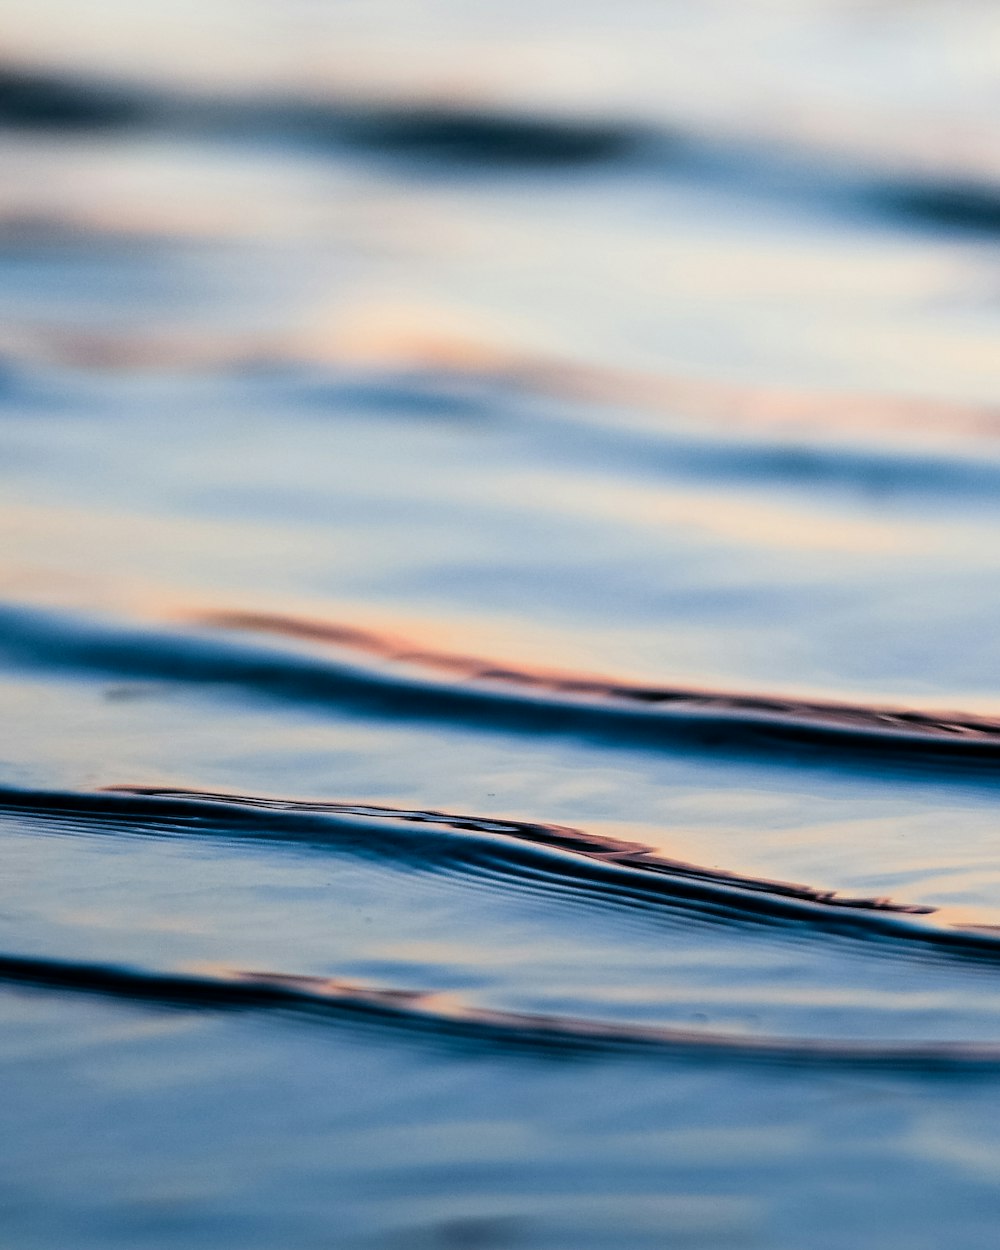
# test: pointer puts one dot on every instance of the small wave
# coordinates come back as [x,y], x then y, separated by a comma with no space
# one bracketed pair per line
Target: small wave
[393,360]
[560,837]
[850,724]
[549,861]
[374,679]
[559,857]
[761,407]
[445,1017]
[961,205]
[52,100]
[454,132]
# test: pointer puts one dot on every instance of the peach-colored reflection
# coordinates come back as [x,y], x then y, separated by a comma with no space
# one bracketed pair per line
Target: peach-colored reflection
[737,521]
[397,337]
[316,993]
[862,717]
[560,837]
[140,567]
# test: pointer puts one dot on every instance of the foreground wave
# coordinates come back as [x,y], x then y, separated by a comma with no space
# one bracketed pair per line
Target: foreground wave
[550,861]
[559,837]
[484,695]
[445,1017]
[807,716]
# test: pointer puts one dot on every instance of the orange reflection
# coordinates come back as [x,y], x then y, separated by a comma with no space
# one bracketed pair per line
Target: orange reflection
[896,722]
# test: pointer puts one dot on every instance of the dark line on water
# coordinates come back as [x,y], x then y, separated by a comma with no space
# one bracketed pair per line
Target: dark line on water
[460,135]
[43,99]
[445,1017]
[467,135]
[527,855]
[901,726]
[459,690]
[962,205]
[559,837]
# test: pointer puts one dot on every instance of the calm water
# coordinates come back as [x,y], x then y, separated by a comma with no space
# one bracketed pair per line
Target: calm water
[499,551]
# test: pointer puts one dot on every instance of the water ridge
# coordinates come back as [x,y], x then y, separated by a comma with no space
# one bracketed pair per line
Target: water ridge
[444,1017]
[493,137]
[551,860]
[485,695]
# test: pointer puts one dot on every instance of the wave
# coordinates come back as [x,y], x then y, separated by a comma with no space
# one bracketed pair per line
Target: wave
[398,365]
[959,205]
[884,444]
[769,409]
[456,689]
[444,1017]
[474,135]
[548,861]
[468,135]
[634,855]
[848,724]
[53,100]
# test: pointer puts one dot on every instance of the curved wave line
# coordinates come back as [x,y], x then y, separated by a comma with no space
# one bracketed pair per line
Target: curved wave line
[554,856]
[550,861]
[445,1016]
[403,362]
[559,837]
[455,689]
[47,98]
[961,731]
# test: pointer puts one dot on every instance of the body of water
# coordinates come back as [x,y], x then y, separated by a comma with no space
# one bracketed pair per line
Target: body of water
[499,571]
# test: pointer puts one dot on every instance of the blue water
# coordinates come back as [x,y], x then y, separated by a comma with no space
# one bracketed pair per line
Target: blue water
[498,579]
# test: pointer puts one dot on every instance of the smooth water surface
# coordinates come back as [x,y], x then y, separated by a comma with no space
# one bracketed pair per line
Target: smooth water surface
[499,516]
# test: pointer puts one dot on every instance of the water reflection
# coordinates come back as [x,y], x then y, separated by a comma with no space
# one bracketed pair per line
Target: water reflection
[498,561]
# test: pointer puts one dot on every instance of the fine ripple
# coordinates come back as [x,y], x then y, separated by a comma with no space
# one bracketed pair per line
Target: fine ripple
[549,860]
[854,724]
[561,837]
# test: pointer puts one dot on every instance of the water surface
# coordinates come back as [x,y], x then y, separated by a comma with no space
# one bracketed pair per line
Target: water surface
[498,583]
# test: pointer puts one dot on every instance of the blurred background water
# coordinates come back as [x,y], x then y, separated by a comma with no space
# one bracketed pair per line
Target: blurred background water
[498,585]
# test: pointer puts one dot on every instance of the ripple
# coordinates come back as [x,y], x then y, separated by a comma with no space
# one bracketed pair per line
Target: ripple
[383,676]
[445,1017]
[483,136]
[552,862]
[835,724]
[560,837]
